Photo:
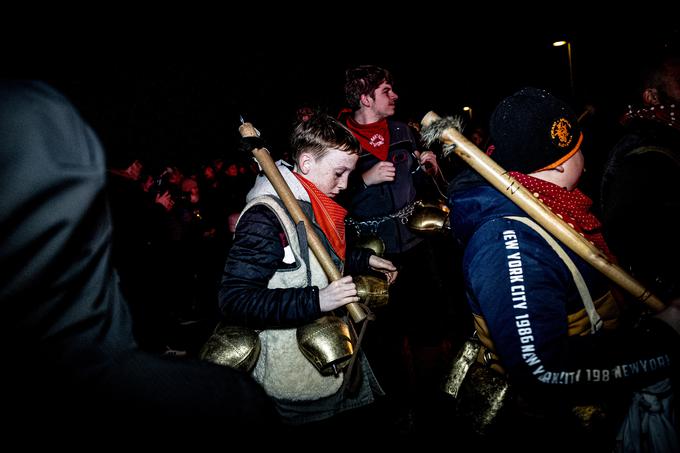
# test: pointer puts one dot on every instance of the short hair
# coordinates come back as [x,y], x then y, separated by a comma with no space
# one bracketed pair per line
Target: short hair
[362,80]
[319,134]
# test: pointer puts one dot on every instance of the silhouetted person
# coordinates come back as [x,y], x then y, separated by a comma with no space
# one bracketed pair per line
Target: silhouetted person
[640,192]
[67,330]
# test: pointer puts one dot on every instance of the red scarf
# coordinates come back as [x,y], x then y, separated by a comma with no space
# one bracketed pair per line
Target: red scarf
[374,137]
[329,215]
[573,206]
[666,114]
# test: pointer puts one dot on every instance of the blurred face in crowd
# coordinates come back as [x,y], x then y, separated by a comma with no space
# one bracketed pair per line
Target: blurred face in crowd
[304,113]
[232,170]
[175,176]
[477,137]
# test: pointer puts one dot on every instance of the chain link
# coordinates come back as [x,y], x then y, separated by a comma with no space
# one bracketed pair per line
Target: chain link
[371,225]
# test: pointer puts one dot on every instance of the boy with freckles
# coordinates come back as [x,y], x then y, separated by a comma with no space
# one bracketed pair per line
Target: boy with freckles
[272,282]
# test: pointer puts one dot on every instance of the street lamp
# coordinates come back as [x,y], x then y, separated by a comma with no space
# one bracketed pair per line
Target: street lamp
[571,68]
[469,110]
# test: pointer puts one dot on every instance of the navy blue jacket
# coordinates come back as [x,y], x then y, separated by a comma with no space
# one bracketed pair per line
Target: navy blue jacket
[524,291]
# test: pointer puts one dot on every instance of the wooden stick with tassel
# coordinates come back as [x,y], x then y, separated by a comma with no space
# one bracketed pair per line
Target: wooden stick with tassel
[447,131]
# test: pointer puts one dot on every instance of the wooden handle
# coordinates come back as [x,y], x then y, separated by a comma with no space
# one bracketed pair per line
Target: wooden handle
[512,189]
[274,175]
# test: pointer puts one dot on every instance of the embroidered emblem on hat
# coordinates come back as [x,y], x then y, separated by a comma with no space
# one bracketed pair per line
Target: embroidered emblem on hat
[377,140]
[560,132]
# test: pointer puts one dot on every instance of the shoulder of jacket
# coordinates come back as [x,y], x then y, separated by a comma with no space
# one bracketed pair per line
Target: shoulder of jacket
[273,204]
[651,150]
[397,126]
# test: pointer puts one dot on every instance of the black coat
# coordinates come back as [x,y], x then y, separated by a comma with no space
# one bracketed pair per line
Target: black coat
[641,205]
[257,253]
[68,342]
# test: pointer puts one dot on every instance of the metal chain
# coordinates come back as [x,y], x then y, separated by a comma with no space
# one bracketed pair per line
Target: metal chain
[372,224]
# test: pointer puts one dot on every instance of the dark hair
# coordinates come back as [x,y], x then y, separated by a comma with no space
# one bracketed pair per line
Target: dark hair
[320,133]
[362,80]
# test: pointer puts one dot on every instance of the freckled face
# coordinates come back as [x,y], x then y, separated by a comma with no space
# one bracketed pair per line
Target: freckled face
[330,172]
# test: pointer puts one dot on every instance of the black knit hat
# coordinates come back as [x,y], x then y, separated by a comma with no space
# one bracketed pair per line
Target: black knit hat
[533,130]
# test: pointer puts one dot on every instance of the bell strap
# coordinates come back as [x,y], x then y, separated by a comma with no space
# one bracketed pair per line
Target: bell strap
[593,315]
[370,316]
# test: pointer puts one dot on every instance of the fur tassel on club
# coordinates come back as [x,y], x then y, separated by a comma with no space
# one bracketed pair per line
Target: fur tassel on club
[430,134]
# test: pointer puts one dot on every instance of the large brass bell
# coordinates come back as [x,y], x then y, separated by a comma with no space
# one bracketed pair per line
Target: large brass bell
[371,242]
[429,217]
[233,346]
[327,343]
[481,393]
[460,367]
[372,291]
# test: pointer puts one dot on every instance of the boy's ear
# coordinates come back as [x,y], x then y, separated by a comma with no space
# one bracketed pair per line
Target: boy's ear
[365,100]
[305,163]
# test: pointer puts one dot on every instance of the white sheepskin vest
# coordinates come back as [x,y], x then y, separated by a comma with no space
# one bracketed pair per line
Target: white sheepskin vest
[282,369]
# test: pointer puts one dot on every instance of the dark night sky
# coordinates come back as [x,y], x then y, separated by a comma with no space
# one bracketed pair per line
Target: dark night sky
[181,99]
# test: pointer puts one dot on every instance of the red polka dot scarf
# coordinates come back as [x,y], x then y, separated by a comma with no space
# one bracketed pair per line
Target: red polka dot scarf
[572,206]
[666,114]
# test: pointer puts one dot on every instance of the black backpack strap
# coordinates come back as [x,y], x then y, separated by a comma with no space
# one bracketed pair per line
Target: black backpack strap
[304,249]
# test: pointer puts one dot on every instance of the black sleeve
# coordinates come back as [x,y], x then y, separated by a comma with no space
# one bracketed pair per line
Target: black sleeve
[356,262]
[355,184]
[642,201]
[256,254]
